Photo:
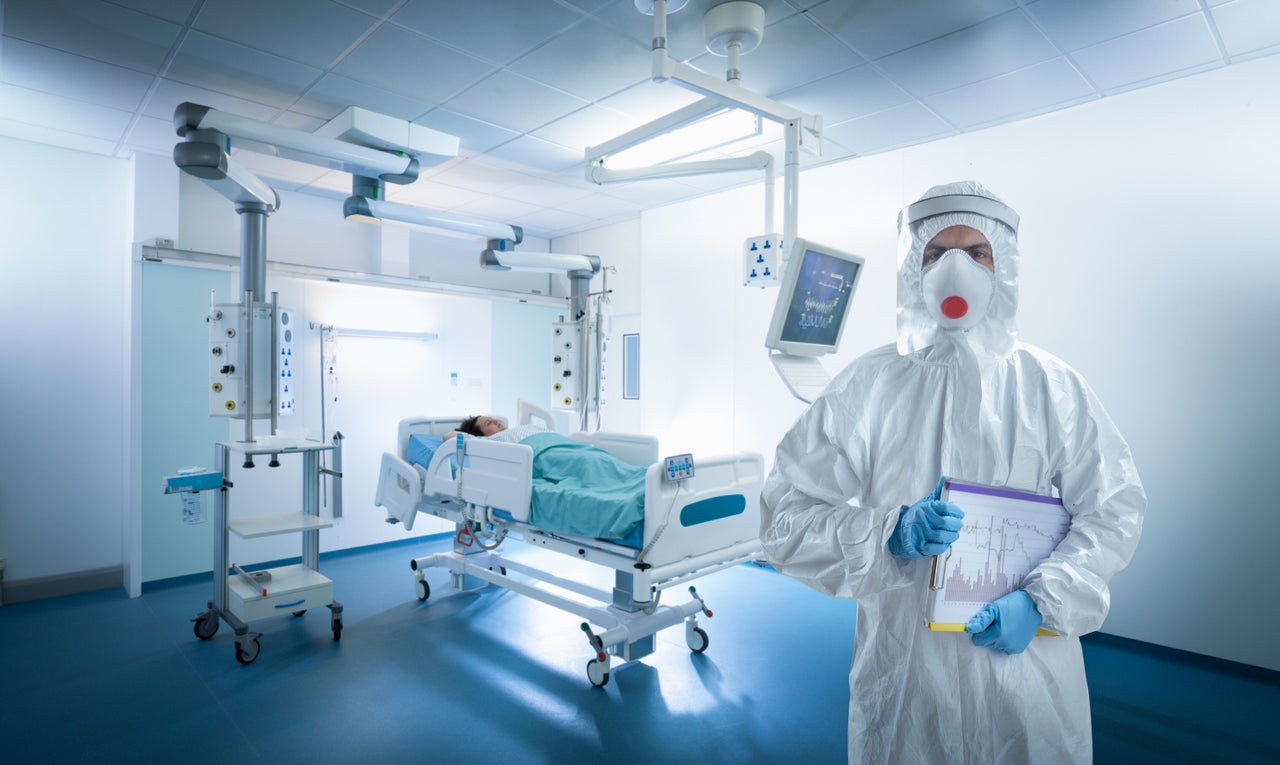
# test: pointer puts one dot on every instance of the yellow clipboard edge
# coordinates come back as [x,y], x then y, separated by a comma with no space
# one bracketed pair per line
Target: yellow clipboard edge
[959,627]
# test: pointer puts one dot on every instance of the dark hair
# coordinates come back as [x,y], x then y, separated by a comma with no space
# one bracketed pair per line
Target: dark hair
[469,426]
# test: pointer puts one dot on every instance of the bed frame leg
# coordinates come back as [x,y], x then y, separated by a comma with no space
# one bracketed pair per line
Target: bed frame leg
[631,592]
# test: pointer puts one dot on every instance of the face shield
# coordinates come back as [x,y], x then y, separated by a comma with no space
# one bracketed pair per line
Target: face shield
[988,327]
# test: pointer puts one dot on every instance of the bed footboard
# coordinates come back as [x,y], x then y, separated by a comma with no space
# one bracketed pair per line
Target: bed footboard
[717,509]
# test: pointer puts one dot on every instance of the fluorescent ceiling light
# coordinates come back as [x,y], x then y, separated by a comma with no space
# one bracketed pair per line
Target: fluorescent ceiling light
[713,132]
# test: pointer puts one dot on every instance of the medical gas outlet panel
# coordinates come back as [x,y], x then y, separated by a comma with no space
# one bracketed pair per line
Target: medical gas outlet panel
[566,383]
[230,365]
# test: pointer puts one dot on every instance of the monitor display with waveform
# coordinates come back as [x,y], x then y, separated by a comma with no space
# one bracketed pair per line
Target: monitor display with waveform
[1006,533]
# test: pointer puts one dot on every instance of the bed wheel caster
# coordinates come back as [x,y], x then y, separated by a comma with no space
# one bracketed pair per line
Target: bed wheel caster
[206,625]
[247,651]
[598,673]
[697,640]
[424,590]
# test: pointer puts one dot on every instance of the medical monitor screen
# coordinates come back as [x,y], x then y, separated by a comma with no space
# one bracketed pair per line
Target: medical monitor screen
[816,291]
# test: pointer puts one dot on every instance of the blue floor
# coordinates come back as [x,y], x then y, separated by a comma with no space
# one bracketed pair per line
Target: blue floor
[493,677]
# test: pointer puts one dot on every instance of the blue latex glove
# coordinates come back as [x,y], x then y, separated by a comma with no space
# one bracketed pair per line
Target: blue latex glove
[926,528]
[1007,624]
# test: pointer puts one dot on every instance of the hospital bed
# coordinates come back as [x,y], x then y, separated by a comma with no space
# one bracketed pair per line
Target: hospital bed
[690,528]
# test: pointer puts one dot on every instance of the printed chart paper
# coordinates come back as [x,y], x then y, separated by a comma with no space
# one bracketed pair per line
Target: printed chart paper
[1006,533]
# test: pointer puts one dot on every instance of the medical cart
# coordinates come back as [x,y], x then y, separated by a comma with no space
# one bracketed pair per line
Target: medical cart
[241,596]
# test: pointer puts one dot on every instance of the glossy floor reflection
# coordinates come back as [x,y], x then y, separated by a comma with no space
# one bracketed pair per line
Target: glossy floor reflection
[493,677]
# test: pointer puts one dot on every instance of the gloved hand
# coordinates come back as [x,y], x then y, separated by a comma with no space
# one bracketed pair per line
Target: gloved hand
[1006,625]
[926,528]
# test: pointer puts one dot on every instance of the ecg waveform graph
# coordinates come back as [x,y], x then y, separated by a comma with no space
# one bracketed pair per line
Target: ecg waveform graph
[995,552]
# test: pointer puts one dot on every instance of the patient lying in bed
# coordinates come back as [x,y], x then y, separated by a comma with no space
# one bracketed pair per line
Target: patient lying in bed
[577,488]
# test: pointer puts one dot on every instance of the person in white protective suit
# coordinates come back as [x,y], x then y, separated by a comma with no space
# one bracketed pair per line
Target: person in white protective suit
[960,396]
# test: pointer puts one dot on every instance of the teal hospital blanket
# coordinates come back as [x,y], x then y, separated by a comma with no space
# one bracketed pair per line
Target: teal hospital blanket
[581,489]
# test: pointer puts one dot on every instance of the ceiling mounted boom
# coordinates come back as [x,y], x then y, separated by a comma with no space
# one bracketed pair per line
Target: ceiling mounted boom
[393,167]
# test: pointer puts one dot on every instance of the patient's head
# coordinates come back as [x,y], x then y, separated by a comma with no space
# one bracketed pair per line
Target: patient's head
[482,425]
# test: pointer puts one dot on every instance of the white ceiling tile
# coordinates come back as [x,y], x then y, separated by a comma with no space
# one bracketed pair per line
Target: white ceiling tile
[604,62]
[407,63]
[591,126]
[1152,54]
[649,193]
[494,30]
[169,94]
[877,28]
[547,192]
[152,135]
[548,223]
[314,32]
[230,68]
[475,136]
[511,101]
[54,137]
[1075,24]
[93,29]
[1001,44]
[34,107]
[474,175]
[537,153]
[378,8]
[334,184]
[650,100]
[852,93]
[496,209]
[1248,26]
[432,194]
[36,67]
[177,11]
[901,126]
[604,206]
[1033,90]
[334,93]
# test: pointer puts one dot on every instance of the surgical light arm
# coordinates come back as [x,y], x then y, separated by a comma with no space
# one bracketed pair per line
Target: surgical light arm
[393,167]
[363,208]
[539,262]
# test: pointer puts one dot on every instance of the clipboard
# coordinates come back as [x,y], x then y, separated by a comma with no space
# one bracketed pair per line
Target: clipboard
[1005,534]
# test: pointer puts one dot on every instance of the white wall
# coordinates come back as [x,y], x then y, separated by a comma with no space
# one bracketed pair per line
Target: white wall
[65,226]
[1148,263]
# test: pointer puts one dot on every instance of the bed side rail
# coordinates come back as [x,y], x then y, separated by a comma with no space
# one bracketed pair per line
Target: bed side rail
[399,490]
[630,448]
[718,508]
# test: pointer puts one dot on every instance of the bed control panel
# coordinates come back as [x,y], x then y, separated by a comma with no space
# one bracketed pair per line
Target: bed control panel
[678,467]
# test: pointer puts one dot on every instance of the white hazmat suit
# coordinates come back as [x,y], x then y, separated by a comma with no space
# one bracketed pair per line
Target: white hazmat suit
[978,405]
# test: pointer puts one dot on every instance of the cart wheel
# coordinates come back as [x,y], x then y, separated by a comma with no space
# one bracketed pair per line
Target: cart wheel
[597,674]
[246,654]
[206,626]
[698,640]
[337,630]
[300,613]
[424,590]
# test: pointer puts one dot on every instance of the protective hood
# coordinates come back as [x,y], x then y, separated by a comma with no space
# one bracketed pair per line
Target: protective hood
[966,203]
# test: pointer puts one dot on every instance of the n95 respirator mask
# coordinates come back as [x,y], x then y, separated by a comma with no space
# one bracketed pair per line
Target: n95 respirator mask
[957,291]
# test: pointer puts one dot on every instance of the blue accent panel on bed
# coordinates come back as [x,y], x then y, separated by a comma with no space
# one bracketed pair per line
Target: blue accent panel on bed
[420,449]
[712,508]
[581,489]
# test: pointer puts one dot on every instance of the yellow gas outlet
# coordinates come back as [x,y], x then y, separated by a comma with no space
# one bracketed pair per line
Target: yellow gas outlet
[231,406]
[567,401]
[556,387]
[217,387]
